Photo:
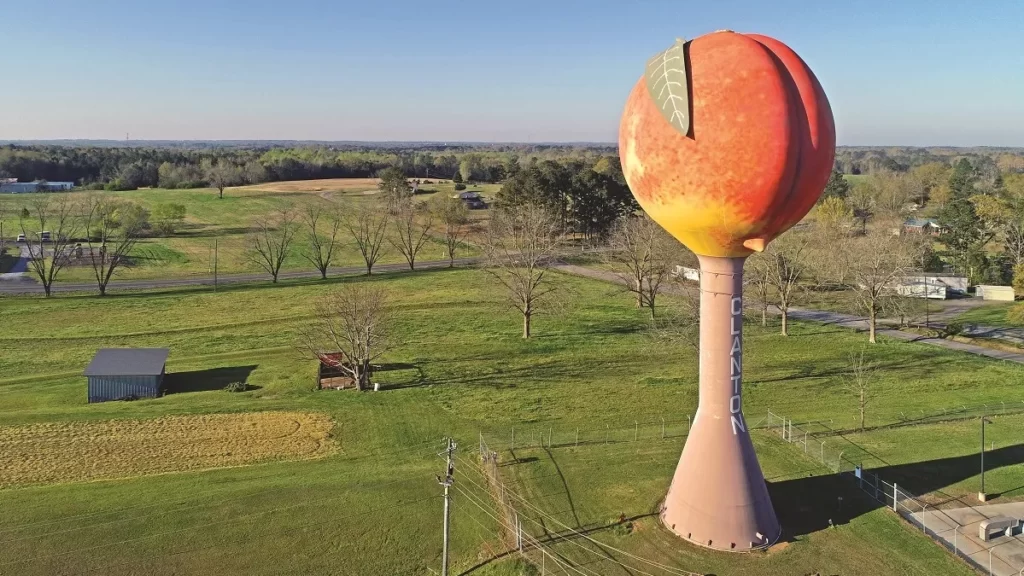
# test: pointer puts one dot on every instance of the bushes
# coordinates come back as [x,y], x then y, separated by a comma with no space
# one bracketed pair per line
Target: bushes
[1015,314]
[236,387]
[460,186]
[116,185]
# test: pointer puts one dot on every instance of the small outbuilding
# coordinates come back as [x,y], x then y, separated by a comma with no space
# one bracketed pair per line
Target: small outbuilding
[126,373]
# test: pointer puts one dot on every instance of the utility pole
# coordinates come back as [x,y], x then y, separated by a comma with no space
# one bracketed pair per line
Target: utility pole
[215,255]
[982,495]
[927,295]
[447,481]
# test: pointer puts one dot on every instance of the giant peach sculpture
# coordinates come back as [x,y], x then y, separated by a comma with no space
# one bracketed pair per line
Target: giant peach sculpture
[726,141]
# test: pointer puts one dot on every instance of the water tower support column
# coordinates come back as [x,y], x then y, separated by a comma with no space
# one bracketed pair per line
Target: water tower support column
[718,497]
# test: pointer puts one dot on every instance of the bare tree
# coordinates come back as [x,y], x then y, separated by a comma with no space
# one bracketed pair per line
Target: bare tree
[55,215]
[1013,240]
[785,262]
[758,278]
[878,261]
[520,241]
[321,236]
[859,382]
[647,254]
[367,224]
[354,320]
[678,323]
[454,216]
[112,229]
[222,175]
[269,244]
[411,228]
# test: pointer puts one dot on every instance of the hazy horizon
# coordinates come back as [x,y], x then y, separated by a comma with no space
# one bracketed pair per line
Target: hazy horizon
[533,72]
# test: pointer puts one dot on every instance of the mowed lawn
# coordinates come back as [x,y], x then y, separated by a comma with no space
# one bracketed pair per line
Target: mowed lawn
[373,506]
[223,223]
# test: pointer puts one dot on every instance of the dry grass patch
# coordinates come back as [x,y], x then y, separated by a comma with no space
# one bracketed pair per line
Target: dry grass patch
[61,452]
[316,186]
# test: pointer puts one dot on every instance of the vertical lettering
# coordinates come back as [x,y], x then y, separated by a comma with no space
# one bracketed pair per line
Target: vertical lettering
[737,424]
[736,364]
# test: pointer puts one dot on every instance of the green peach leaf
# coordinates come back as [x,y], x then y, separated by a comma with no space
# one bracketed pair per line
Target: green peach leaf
[667,84]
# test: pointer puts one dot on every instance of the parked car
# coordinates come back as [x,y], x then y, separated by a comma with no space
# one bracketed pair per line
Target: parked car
[44,236]
[21,238]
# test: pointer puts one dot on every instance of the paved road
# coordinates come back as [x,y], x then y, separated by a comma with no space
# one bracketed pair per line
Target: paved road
[16,273]
[24,284]
[847,321]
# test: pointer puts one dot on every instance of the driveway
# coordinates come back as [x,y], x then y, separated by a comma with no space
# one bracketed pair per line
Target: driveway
[17,272]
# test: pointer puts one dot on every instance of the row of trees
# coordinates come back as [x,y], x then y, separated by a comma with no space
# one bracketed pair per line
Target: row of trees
[172,167]
[103,230]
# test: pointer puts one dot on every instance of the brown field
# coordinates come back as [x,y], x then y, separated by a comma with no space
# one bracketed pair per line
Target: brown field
[348,185]
[62,452]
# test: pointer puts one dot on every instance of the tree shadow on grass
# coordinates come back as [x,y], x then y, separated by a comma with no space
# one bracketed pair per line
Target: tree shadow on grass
[206,380]
[806,505]
[417,381]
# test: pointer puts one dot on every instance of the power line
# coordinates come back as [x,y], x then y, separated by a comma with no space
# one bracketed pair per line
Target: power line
[537,544]
[544,514]
[566,539]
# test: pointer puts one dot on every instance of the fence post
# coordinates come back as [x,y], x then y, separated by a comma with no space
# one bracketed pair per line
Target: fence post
[790,429]
[513,438]
[805,442]
[687,424]
[956,531]
[839,462]
[895,494]
[549,437]
[605,433]
[822,451]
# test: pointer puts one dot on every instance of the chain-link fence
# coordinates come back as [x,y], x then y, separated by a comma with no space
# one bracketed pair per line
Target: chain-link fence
[847,459]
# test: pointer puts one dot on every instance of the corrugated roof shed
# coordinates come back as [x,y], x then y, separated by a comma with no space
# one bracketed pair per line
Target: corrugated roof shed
[128,362]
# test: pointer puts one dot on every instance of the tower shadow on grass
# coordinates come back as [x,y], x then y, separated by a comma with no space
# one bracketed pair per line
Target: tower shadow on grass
[806,505]
[205,380]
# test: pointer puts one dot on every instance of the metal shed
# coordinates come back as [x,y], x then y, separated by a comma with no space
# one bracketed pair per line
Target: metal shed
[124,373]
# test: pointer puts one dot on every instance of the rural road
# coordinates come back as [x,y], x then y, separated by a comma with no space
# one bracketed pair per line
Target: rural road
[16,283]
[856,322]
[24,284]
[17,272]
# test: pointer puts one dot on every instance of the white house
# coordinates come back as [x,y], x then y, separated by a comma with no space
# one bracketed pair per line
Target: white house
[11,186]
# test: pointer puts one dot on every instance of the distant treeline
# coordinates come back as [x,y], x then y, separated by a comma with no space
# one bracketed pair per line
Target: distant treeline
[134,167]
[872,160]
[185,164]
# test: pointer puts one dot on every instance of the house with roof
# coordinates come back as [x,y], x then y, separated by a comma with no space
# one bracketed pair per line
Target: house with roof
[472,200]
[923,226]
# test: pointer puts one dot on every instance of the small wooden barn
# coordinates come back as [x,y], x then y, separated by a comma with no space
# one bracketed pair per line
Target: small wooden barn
[126,373]
[331,373]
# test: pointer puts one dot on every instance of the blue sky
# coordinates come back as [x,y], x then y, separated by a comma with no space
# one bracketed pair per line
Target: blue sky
[906,72]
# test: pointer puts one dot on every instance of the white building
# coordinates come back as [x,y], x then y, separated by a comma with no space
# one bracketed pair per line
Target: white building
[13,187]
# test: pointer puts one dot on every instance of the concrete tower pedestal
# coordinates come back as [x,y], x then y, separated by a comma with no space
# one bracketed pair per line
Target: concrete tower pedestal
[718,498]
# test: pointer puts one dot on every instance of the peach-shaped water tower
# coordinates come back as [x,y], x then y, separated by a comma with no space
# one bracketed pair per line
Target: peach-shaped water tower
[726,141]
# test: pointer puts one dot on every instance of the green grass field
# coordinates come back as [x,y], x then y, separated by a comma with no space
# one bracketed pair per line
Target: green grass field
[373,507]
[190,251]
[990,315]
